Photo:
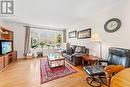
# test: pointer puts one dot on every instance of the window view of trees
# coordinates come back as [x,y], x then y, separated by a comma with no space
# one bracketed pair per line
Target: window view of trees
[45,39]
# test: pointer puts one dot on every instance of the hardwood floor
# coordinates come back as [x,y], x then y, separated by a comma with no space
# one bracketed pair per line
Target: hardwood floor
[26,73]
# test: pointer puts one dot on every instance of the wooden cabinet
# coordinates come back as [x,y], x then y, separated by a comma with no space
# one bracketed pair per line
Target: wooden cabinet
[7,59]
[10,57]
[7,34]
[14,55]
[1,63]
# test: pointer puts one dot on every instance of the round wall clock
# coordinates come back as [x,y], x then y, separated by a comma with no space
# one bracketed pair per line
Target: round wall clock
[112,25]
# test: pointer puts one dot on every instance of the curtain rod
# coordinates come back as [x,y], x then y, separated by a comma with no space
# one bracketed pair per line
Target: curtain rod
[44,28]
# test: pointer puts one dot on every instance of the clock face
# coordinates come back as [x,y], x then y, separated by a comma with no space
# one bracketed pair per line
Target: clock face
[112,25]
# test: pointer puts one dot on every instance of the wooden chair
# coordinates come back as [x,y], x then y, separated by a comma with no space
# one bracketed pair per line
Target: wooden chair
[111,70]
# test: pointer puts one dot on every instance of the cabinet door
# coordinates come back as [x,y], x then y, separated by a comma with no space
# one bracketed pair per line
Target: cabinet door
[15,55]
[6,60]
[1,63]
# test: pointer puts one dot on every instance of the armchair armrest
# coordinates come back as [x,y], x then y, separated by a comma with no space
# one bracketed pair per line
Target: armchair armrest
[102,61]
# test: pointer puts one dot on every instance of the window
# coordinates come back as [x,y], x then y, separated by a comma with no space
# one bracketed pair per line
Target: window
[43,38]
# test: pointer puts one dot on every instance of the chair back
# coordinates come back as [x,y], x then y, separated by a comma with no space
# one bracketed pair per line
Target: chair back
[119,56]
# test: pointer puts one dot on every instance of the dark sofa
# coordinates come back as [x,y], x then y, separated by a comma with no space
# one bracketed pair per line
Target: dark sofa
[74,54]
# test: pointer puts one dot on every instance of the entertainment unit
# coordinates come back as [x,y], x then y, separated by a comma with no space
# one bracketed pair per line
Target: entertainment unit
[7,53]
[7,59]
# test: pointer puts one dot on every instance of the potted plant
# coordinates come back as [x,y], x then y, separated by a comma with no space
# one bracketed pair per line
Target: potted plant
[48,45]
[34,44]
[42,44]
[58,40]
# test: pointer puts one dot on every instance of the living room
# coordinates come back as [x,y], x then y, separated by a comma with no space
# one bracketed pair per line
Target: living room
[73,19]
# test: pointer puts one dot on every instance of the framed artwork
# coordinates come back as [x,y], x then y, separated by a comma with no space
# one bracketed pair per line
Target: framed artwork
[84,34]
[72,34]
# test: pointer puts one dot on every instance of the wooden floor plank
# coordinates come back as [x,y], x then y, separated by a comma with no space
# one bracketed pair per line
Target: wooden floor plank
[26,73]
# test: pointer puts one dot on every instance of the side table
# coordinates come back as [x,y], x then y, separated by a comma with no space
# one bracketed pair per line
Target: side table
[89,58]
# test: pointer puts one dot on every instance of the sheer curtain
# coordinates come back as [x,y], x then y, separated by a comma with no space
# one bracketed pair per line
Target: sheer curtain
[27,39]
[64,36]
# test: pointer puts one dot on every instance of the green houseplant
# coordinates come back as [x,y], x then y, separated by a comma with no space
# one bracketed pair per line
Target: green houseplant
[58,40]
[42,44]
[34,44]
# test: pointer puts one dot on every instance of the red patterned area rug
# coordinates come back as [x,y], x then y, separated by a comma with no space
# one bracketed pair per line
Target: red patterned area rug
[48,74]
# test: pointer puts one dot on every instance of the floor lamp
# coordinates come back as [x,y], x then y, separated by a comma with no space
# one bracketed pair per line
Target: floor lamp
[96,38]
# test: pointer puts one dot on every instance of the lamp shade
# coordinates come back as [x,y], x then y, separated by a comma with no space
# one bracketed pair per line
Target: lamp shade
[95,37]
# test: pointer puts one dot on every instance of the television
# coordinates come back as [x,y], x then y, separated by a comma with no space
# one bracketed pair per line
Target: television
[5,47]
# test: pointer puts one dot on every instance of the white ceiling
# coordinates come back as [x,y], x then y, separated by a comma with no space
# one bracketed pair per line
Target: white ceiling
[57,13]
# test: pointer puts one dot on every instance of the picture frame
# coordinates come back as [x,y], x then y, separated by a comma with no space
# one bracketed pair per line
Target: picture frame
[72,34]
[83,34]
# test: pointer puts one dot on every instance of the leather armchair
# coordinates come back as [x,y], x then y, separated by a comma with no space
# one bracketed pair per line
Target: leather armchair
[117,56]
[118,59]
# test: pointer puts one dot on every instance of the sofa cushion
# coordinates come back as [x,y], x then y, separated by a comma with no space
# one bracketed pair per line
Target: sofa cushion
[77,54]
[69,51]
[73,47]
[79,49]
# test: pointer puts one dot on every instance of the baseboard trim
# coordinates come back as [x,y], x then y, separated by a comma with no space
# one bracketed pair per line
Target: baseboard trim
[21,59]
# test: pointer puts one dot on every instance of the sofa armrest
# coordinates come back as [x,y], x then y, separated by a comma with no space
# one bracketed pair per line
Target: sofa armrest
[64,51]
[77,54]
[77,61]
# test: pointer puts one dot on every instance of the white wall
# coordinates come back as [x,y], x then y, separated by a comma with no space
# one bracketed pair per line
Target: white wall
[19,36]
[117,39]
[0,25]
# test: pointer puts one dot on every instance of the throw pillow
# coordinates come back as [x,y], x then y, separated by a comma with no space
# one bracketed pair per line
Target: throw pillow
[73,47]
[78,49]
[69,51]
